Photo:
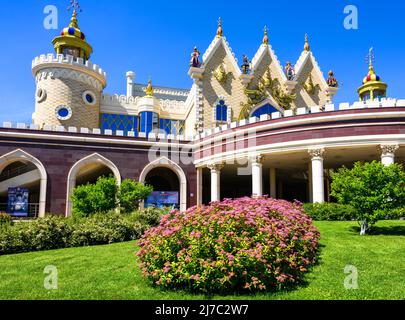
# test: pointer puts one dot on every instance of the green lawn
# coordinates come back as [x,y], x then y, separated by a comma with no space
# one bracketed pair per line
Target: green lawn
[111,272]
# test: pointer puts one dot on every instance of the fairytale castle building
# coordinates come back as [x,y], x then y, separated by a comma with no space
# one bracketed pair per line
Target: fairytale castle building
[255,128]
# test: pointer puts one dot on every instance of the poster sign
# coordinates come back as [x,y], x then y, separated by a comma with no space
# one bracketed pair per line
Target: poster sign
[161,199]
[18,202]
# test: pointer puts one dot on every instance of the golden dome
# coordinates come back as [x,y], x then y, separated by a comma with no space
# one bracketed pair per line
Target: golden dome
[72,41]
[373,88]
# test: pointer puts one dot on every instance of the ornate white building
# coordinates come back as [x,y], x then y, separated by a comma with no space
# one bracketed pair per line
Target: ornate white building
[251,128]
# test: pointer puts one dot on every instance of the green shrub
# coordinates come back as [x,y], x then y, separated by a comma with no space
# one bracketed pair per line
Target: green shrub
[42,234]
[5,220]
[150,216]
[372,189]
[244,245]
[104,229]
[131,193]
[394,214]
[100,197]
[57,232]
[330,212]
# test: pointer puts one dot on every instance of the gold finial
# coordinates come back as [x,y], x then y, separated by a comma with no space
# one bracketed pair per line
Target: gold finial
[149,89]
[370,60]
[266,37]
[219,30]
[75,6]
[307,48]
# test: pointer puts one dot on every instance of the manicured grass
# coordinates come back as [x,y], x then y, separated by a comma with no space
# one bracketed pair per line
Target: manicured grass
[111,272]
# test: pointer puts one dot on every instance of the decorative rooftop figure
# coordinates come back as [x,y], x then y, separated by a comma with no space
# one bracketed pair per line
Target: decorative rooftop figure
[149,89]
[332,82]
[195,58]
[265,37]
[307,47]
[246,65]
[219,30]
[289,71]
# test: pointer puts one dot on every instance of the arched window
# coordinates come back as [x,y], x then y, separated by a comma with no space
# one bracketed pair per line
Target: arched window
[221,111]
[267,109]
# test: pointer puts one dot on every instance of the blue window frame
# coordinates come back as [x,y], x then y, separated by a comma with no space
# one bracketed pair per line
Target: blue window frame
[222,111]
[267,109]
[122,122]
[175,127]
[148,122]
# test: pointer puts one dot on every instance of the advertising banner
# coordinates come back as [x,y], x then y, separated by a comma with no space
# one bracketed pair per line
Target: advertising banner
[18,202]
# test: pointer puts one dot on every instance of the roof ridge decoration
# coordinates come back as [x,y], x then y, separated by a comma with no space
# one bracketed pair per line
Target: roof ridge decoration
[213,47]
[305,56]
[261,52]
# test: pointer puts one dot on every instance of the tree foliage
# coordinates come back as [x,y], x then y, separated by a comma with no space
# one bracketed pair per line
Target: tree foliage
[371,188]
[100,197]
[105,195]
[131,194]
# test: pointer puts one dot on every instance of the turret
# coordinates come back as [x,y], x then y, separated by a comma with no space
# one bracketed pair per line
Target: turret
[373,88]
[69,85]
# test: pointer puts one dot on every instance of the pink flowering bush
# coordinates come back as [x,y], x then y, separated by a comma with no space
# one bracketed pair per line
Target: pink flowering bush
[244,245]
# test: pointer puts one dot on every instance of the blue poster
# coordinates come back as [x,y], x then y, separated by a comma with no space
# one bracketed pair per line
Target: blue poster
[18,202]
[161,199]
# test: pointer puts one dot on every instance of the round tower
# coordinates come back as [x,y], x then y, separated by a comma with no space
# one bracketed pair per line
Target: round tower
[68,85]
[373,88]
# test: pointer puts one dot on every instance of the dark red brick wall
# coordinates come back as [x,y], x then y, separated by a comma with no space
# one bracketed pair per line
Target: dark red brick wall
[58,160]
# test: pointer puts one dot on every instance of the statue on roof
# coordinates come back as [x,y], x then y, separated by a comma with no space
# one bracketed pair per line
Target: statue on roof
[289,71]
[332,82]
[195,58]
[246,65]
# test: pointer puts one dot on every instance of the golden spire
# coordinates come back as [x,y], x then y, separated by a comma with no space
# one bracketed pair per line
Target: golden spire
[73,20]
[266,37]
[149,89]
[219,30]
[370,58]
[307,48]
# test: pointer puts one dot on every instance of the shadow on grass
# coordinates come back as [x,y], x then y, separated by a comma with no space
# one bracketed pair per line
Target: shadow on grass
[383,231]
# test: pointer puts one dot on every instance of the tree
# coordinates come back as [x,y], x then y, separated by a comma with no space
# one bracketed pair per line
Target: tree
[371,188]
[131,193]
[100,197]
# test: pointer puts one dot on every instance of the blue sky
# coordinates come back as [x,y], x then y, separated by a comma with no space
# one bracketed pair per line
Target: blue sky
[155,39]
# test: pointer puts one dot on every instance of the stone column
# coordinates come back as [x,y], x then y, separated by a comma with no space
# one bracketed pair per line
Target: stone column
[215,181]
[257,176]
[318,187]
[273,183]
[388,153]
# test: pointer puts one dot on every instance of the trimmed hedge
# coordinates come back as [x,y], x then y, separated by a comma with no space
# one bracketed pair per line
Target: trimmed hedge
[56,232]
[341,212]
[330,211]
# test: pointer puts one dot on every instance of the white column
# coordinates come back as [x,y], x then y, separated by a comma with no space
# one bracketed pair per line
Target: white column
[215,181]
[311,198]
[257,176]
[388,154]
[273,183]
[318,187]
[199,186]
[130,82]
